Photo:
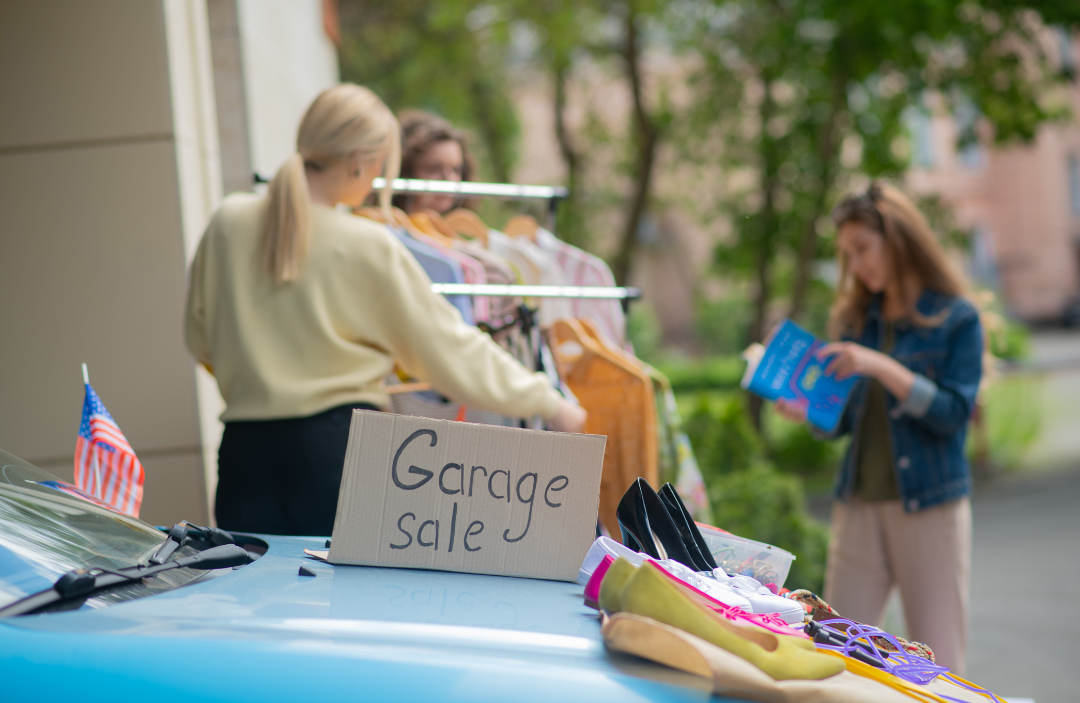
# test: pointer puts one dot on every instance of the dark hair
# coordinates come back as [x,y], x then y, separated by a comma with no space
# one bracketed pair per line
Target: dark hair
[419,132]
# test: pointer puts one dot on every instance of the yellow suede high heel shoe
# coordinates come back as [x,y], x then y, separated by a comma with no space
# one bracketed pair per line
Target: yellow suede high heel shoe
[614,582]
[651,594]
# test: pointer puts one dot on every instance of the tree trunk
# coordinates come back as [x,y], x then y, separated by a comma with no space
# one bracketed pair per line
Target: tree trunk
[570,229]
[485,108]
[646,138]
[765,232]
[828,154]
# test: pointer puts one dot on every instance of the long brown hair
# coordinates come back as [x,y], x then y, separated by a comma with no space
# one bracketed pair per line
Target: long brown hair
[344,123]
[913,251]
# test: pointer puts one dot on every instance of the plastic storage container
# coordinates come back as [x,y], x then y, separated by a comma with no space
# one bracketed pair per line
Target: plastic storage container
[739,556]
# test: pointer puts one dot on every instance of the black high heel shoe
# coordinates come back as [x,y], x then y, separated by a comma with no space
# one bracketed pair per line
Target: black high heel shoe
[688,529]
[647,527]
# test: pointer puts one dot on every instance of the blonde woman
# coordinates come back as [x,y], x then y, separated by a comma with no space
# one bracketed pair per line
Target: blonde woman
[902,516]
[301,310]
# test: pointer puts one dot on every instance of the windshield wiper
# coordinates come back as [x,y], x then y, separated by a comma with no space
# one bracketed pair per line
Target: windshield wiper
[81,583]
[183,533]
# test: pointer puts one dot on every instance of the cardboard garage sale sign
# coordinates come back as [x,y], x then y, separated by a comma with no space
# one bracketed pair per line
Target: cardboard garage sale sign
[455,496]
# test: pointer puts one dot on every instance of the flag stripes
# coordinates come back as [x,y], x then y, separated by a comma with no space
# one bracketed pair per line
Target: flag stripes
[106,467]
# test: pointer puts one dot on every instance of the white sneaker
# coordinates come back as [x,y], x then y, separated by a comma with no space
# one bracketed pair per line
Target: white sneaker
[762,600]
[703,582]
[605,546]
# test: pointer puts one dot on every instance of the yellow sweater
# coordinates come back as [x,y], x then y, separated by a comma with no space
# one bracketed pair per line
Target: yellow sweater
[331,337]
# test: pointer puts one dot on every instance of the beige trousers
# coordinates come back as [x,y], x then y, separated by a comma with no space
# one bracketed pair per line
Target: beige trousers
[927,554]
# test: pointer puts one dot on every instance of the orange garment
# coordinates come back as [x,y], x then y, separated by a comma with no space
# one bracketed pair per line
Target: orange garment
[618,395]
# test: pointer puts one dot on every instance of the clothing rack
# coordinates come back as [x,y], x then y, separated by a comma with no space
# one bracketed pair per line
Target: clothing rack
[471,189]
[623,294]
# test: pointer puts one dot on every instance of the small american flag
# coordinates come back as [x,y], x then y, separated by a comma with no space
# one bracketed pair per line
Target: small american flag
[105,464]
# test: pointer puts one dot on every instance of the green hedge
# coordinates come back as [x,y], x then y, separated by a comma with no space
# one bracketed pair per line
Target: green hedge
[714,373]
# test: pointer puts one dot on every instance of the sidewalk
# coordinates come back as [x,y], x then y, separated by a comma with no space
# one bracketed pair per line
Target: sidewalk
[1025,600]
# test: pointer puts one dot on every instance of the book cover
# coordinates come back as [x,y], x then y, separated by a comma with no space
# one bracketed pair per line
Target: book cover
[787,367]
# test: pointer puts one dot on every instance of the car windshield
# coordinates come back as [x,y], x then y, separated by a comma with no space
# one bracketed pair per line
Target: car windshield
[45,532]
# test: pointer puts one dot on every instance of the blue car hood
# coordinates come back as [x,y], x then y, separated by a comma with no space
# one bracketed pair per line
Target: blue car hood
[263,632]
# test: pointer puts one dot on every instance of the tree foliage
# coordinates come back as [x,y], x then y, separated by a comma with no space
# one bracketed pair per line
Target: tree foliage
[446,56]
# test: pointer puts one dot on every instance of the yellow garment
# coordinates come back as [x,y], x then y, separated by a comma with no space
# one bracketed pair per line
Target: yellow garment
[618,395]
[331,337]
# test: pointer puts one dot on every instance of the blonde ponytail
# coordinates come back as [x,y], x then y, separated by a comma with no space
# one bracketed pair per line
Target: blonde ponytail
[287,229]
[346,123]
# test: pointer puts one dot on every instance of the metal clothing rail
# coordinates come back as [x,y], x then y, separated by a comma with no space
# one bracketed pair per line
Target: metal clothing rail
[506,191]
[494,290]
[470,189]
[623,294]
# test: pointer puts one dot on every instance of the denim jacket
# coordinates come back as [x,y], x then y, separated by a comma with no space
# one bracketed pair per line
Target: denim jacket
[927,429]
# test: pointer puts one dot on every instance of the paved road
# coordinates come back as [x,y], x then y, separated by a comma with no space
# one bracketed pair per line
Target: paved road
[1025,609]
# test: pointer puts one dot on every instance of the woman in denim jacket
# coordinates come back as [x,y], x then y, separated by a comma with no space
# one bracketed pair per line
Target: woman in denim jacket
[902,515]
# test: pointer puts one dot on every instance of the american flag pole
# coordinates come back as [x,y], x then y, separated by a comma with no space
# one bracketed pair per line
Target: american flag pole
[93,455]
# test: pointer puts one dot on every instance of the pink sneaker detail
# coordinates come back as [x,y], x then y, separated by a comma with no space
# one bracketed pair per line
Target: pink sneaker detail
[592,588]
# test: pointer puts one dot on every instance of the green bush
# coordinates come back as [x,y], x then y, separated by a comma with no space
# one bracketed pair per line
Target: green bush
[763,504]
[643,329]
[722,326]
[795,450]
[714,373]
[1012,342]
[721,434]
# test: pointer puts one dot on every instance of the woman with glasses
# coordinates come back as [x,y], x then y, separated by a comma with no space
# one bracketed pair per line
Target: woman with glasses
[432,150]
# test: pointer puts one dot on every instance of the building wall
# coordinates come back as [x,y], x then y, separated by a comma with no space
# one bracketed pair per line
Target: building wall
[288,60]
[110,167]
[1018,198]
[103,168]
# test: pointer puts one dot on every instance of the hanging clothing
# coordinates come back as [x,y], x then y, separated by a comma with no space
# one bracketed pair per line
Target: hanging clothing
[581,268]
[497,271]
[332,336]
[538,267]
[618,396]
[439,268]
[472,270]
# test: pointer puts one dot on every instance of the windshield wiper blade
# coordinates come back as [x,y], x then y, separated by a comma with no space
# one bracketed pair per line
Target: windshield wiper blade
[81,583]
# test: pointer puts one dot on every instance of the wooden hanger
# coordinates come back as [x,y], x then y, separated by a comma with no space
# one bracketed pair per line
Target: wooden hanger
[442,225]
[522,226]
[593,331]
[371,213]
[399,218]
[423,222]
[576,367]
[468,223]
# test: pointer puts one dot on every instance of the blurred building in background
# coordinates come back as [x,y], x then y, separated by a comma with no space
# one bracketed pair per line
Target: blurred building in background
[1022,203]
[124,123]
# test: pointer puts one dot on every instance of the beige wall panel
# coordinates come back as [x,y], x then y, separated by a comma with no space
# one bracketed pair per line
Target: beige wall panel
[73,71]
[91,269]
[287,61]
[174,490]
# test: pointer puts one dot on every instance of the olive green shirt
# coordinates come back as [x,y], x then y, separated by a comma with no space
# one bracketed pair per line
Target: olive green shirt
[875,471]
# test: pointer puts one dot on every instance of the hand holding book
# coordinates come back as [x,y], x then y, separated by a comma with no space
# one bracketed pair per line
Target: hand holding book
[791,367]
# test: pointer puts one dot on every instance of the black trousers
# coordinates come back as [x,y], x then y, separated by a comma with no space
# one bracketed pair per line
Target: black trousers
[282,477]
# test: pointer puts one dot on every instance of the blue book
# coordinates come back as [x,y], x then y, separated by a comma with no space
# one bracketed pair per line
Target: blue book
[787,367]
